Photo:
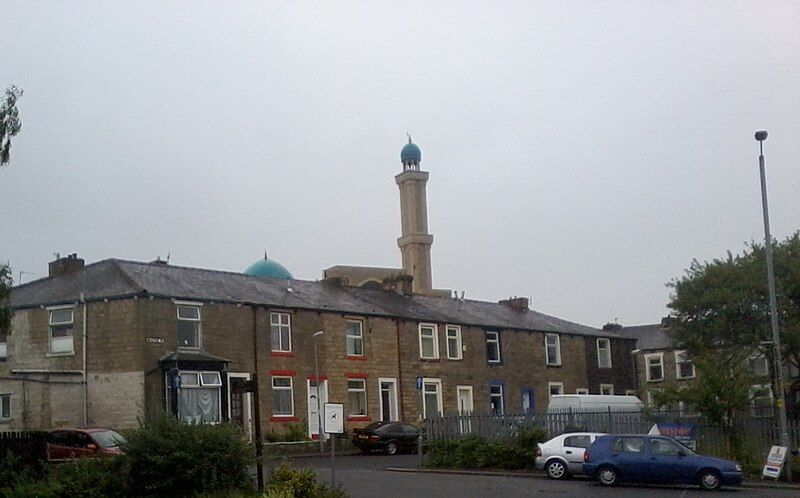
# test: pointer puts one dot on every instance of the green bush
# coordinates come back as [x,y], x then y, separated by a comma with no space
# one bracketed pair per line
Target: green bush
[14,472]
[287,482]
[39,489]
[89,478]
[475,452]
[166,457]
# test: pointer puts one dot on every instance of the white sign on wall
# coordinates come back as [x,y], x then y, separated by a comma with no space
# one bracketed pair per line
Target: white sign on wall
[775,460]
[333,421]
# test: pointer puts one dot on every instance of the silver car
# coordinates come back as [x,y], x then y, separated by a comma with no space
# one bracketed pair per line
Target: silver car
[562,456]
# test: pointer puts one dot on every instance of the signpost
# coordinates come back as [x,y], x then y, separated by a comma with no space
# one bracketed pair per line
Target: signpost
[775,461]
[420,385]
[334,424]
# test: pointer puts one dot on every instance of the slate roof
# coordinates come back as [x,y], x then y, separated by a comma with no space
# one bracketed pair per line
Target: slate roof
[652,336]
[115,278]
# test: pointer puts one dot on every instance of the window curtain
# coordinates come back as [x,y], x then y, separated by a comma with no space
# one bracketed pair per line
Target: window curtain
[199,405]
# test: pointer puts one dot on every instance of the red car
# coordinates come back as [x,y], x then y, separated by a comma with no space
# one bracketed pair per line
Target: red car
[69,444]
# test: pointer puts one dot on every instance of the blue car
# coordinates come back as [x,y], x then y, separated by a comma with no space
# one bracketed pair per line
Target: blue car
[639,458]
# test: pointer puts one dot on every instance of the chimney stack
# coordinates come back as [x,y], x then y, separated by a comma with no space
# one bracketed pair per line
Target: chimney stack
[62,266]
[516,303]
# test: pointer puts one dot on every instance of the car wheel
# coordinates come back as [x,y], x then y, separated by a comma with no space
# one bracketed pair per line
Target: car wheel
[607,476]
[391,448]
[556,469]
[709,480]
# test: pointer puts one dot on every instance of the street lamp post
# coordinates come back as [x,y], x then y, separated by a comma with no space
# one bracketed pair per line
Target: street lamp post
[319,413]
[773,307]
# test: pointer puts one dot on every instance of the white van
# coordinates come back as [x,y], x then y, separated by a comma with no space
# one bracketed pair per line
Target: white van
[591,403]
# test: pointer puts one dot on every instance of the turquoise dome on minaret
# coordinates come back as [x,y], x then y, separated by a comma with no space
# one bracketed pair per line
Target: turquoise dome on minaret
[410,153]
[268,268]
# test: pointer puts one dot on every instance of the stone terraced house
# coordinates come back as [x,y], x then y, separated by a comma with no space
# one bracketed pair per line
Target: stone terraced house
[109,342]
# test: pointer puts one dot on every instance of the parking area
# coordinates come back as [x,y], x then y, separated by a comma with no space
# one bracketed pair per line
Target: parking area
[367,476]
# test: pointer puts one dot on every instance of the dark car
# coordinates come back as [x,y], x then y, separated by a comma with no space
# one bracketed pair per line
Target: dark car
[389,437]
[70,444]
[639,458]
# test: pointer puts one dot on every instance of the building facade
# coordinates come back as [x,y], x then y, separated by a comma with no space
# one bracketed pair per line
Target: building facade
[114,341]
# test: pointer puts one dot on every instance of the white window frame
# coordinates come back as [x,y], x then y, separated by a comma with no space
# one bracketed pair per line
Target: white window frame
[435,338]
[652,405]
[51,324]
[502,398]
[557,362]
[5,398]
[678,365]
[348,336]
[4,349]
[280,348]
[761,388]
[439,394]
[647,358]
[496,340]
[581,390]
[610,387]
[199,320]
[762,358]
[607,341]
[363,391]
[550,386]
[282,388]
[453,355]
[200,384]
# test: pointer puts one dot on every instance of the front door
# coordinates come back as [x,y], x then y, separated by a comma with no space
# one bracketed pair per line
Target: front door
[388,402]
[465,407]
[314,405]
[239,401]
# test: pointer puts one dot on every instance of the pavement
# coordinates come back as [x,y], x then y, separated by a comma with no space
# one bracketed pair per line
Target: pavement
[398,476]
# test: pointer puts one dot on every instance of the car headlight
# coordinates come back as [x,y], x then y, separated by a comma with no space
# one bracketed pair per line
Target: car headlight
[738,467]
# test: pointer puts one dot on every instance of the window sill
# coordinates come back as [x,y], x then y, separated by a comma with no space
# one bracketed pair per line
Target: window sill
[454,359]
[429,359]
[356,357]
[281,353]
[554,365]
[56,355]
[655,381]
[284,418]
[359,418]
[494,363]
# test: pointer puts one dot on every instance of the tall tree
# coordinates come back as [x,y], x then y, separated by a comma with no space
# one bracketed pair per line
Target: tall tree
[10,124]
[5,297]
[721,318]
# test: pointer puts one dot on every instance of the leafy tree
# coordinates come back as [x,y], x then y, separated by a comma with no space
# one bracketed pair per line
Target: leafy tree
[722,317]
[10,124]
[5,296]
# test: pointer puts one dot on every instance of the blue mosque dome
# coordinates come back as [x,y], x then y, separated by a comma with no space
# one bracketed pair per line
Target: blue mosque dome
[410,153]
[268,268]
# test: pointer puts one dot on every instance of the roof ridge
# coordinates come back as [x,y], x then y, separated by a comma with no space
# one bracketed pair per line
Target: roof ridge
[42,279]
[209,270]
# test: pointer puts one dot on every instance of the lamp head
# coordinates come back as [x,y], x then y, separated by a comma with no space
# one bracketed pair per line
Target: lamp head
[761,135]
[317,333]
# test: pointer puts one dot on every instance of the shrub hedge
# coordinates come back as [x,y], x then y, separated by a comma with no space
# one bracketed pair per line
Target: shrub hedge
[475,452]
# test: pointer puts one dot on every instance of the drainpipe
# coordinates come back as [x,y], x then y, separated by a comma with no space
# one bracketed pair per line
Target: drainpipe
[85,384]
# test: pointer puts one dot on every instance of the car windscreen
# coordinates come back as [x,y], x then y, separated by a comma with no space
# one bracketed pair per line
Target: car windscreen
[108,439]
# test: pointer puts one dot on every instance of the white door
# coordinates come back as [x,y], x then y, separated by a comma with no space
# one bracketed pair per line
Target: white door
[313,418]
[388,399]
[465,407]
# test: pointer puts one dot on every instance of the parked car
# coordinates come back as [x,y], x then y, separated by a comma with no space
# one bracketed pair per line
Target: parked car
[655,459]
[562,456]
[389,437]
[70,444]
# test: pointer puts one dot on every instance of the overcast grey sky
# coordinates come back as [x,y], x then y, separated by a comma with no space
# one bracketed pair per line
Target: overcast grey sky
[580,152]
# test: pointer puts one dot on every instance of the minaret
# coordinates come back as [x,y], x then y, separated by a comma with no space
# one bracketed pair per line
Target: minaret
[415,241]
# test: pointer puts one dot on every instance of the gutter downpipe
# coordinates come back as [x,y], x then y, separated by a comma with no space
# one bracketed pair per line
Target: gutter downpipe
[85,384]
